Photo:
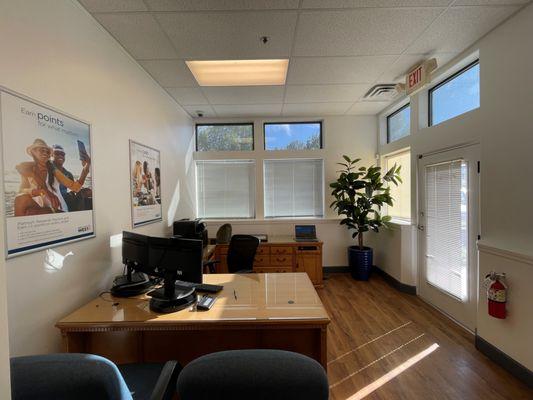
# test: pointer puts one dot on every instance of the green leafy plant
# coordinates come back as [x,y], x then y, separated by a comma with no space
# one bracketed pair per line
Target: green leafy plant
[359,195]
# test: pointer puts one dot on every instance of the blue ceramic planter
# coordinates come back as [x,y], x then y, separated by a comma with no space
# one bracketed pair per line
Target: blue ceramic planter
[360,262]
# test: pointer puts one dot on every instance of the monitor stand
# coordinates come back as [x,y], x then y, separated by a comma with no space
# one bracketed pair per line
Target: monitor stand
[170,299]
[131,284]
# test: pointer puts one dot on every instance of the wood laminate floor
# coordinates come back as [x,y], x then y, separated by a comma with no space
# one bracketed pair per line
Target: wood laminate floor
[383,344]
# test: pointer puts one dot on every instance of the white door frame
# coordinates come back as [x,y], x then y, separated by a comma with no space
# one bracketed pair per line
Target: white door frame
[463,312]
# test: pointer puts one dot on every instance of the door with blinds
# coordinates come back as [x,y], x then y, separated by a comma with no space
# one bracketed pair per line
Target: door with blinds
[448,231]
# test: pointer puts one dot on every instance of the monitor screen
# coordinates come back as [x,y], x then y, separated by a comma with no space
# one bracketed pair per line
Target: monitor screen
[183,256]
[305,231]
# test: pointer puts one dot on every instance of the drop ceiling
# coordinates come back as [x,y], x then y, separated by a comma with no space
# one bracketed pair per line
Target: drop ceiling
[338,49]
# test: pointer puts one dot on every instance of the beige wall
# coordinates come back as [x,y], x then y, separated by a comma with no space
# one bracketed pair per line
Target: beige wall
[5,389]
[53,51]
[351,135]
[502,126]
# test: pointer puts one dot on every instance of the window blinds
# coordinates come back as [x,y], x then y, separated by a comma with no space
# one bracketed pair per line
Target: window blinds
[447,227]
[294,188]
[225,189]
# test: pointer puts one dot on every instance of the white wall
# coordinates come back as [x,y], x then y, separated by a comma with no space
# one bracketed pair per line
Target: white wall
[351,135]
[502,125]
[5,383]
[53,51]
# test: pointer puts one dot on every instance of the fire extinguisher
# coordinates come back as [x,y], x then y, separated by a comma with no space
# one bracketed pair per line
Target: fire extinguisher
[496,294]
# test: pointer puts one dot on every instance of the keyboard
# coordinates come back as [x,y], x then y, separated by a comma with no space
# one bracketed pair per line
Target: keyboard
[200,287]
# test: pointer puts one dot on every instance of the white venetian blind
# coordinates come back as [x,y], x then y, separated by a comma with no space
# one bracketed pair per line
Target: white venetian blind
[447,227]
[225,189]
[294,188]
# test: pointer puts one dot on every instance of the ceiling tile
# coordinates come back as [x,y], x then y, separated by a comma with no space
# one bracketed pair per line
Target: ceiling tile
[248,110]
[213,36]
[488,2]
[367,107]
[219,5]
[244,94]
[310,70]
[169,73]
[325,93]
[364,31]
[315,109]
[139,33]
[187,95]
[397,71]
[205,109]
[113,5]
[459,27]
[373,3]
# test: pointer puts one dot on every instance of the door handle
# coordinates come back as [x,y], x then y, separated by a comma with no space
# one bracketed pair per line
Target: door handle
[420,227]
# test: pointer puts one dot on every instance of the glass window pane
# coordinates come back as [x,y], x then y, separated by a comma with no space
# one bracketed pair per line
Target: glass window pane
[401,194]
[231,137]
[293,136]
[456,96]
[399,124]
[294,188]
[225,189]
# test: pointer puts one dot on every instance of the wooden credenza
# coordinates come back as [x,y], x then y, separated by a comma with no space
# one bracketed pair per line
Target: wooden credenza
[281,254]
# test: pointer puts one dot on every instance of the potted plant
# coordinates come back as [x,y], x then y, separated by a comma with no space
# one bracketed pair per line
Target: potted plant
[359,195]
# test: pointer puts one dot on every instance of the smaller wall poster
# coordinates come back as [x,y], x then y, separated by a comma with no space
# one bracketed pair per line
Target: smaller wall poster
[145,175]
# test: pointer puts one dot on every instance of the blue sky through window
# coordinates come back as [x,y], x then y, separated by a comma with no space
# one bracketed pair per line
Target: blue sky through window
[295,136]
[455,97]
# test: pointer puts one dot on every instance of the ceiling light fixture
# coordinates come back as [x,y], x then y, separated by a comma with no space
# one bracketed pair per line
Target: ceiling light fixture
[239,72]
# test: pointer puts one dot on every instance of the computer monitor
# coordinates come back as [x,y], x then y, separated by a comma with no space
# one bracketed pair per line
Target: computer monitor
[135,251]
[179,256]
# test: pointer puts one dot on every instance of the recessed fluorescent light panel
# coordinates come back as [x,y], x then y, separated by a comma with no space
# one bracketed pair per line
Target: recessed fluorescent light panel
[239,72]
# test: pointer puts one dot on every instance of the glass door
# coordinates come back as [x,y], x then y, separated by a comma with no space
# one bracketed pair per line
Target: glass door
[448,231]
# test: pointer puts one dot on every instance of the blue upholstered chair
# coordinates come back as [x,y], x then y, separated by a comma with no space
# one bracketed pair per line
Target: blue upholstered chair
[253,374]
[90,377]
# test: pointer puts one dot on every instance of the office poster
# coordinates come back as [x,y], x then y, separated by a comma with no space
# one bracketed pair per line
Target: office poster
[145,175]
[47,179]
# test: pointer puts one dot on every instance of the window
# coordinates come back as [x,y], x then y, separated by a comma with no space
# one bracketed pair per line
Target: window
[293,136]
[225,189]
[294,188]
[225,137]
[401,194]
[399,123]
[455,96]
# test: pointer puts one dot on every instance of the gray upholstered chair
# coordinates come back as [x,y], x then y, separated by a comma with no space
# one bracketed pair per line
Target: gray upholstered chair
[253,374]
[89,377]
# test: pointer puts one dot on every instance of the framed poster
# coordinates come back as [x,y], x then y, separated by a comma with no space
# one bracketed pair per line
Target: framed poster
[145,177]
[47,182]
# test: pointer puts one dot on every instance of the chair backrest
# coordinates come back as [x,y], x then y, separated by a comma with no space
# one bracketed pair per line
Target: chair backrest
[224,234]
[253,374]
[241,253]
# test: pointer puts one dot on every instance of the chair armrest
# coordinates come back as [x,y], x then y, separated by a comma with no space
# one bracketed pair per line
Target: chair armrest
[165,388]
[211,265]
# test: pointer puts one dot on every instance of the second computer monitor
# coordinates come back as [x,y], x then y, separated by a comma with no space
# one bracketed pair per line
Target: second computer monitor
[182,256]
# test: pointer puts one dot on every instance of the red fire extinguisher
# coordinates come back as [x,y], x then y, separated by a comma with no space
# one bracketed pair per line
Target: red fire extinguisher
[496,294]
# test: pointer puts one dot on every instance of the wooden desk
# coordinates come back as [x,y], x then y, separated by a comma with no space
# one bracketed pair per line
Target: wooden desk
[282,254]
[277,311]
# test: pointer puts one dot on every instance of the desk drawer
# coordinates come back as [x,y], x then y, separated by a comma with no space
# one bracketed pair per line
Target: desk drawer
[275,250]
[263,250]
[262,260]
[272,270]
[281,260]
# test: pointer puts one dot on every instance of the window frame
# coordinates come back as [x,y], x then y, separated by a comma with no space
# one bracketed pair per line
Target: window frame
[223,124]
[320,122]
[442,83]
[399,110]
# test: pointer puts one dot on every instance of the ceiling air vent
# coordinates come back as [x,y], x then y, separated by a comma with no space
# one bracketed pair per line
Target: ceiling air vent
[381,92]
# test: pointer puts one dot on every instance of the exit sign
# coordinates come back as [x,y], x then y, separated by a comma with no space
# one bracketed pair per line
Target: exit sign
[419,76]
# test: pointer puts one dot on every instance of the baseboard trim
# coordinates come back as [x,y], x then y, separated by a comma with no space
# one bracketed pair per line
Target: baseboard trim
[503,360]
[395,283]
[339,268]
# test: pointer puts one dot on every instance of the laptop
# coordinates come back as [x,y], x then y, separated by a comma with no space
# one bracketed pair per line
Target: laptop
[305,233]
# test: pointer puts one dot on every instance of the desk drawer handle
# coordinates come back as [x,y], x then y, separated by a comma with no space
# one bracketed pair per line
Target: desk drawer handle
[281,259]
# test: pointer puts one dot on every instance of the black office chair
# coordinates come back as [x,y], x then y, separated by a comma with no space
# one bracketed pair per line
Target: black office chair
[253,374]
[88,377]
[241,254]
